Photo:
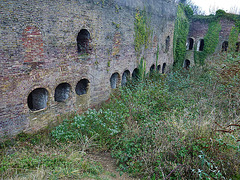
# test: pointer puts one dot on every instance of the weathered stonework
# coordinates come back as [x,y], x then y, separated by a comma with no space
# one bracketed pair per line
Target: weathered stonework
[39,51]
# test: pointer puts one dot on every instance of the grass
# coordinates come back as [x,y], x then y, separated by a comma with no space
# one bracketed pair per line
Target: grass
[184,125]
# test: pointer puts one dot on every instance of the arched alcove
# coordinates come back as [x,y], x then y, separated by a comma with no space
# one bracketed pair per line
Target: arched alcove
[237,46]
[37,99]
[135,74]
[82,87]
[62,92]
[83,40]
[152,68]
[200,45]
[125,77]
[186,64]
[158,68]
[167,44]
[190,44]
[114,80]
[224,46]
[164,68]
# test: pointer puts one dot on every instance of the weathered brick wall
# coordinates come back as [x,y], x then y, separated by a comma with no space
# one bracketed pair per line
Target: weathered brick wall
[38,50]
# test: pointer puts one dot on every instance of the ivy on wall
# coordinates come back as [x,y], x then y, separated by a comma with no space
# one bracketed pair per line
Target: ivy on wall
[180,35]
[142,37]
[211,40]
[233,39]
[142,31]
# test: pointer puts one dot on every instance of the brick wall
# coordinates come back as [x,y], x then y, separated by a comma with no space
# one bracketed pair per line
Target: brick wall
[38,50]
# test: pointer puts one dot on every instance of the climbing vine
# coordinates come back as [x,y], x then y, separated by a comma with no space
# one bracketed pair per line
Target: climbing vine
[142,37]
[180,35]
[211,40]
[233,38]
[142,31]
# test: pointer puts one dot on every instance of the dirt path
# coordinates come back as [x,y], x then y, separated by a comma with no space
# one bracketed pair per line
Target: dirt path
[109,166]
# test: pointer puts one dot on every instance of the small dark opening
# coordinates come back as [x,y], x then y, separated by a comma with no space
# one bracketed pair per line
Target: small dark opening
[163,68]
[167,44]
[158,68]
[83,40]
[186,64]
[152,68]
[62,92]
[135,74]
[114,80]
[82,87]
[37,99]
[190,43]
[224,46]
[237,46]
[201,45]
[125,77]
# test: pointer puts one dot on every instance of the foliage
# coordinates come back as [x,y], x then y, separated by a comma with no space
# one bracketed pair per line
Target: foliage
[38,161]
[142,31]
[210,43]
[175,125]
[233,39]
[188,11]
[220,13]
[180,35]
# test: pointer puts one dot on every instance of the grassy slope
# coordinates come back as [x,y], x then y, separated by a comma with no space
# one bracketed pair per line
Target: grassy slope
[181,125]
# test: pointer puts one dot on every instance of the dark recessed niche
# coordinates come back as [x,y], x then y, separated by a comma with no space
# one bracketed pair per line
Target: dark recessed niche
[225,46]
[186,64]
[167,44]
[152,68]
[237,46]
[83,42]
[37,99]
[163,68]
[201,45]
[62,92]
[158,68]
[125,77]
[82,87]
[135,74]
[114,80]
[190,44]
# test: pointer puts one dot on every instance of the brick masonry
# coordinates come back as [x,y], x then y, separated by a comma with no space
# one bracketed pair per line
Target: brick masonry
[38,49]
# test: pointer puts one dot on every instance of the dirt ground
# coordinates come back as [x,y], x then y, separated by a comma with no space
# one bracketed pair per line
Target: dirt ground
[109,166]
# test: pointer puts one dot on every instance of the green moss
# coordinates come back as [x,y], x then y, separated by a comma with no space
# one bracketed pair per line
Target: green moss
[180,35]
[211,40]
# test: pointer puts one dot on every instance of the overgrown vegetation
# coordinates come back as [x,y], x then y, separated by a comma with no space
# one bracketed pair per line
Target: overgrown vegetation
[183,125]
[211,40]
[180,34]
[142,38]
[142,31]
[233,38]
[38,157]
